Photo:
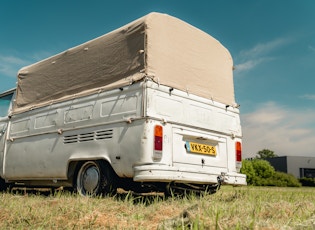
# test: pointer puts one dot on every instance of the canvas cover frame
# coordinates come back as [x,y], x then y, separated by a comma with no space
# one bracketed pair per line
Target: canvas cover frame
[157,46]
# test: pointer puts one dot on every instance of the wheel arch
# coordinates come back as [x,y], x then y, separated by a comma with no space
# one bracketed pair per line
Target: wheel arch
[74,165]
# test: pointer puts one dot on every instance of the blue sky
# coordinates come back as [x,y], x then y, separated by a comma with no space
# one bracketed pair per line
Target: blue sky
[272,44]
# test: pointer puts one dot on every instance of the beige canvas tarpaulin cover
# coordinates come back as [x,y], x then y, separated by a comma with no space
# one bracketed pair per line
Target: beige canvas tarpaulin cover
[161,47]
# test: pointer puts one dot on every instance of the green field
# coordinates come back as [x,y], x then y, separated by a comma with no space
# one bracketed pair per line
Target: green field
[230,208]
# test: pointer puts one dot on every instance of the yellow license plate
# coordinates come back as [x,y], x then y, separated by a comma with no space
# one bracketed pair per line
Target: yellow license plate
[194,147]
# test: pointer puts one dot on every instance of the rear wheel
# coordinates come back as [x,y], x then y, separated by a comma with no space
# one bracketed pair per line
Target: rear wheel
[94,178]
[3,185]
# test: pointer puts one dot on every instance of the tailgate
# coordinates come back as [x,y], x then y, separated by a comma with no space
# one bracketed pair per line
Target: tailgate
[197,148]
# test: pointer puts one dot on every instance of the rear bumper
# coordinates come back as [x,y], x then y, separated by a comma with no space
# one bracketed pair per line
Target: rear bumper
[165,173]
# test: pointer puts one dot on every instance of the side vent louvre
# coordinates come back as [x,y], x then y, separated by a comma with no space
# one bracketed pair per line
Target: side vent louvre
[92,136]
[104,134]
[86,137]
[70,139]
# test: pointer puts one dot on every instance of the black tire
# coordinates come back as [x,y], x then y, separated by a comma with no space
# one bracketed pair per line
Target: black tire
[94,178]
[3,185]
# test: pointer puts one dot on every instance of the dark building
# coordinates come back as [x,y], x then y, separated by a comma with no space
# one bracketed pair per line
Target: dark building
[295,165]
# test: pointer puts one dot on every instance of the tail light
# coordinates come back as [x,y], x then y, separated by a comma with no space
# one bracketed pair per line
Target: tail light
[158,143]
[158,138]
[238,151]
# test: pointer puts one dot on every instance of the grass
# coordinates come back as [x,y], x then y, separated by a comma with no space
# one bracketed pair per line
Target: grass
[229,208]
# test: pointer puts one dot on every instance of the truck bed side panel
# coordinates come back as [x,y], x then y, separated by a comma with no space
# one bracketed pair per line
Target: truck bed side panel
[43,141]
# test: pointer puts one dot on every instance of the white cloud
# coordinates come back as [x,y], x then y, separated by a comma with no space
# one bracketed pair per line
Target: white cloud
[286,131]
[248,59]
[264,48]
[264,116]
[250,64]
[312,48]
[308,97]
[9,65]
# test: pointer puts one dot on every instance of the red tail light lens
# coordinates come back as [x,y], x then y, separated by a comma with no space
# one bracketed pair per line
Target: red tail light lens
[238,151]
[158,138]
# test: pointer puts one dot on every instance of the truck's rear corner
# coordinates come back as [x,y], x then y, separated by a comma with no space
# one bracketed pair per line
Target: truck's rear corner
[195,142]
